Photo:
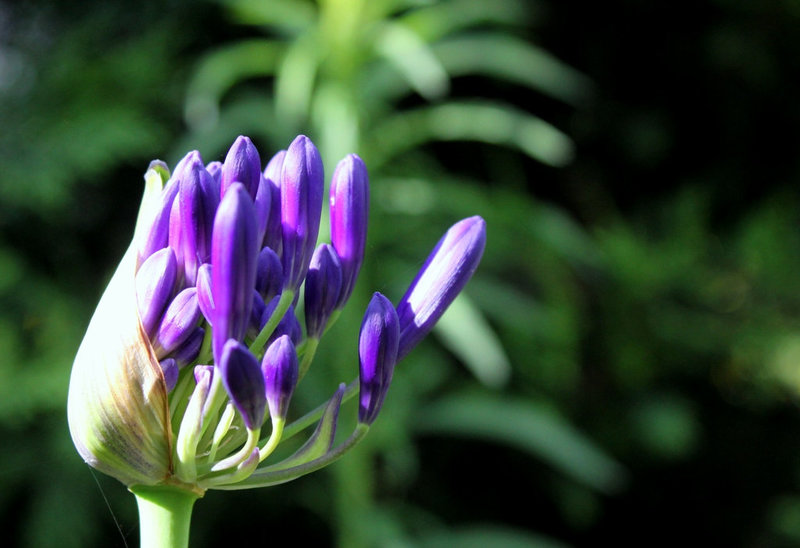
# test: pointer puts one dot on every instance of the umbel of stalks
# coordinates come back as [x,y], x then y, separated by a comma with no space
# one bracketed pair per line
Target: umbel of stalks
[186,373]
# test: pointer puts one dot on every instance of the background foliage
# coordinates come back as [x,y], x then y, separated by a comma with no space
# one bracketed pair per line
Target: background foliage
[625,365]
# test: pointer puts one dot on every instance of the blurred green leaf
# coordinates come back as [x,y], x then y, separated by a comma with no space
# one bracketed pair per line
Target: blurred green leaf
[473,121]
[523,64]
[438,19]
[528,427]
[283,14]
[465,332]
[481,536]
[221,70]
[414,59]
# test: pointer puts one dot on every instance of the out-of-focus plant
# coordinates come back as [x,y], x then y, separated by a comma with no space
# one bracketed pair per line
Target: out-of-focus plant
[81,95]
[384,78]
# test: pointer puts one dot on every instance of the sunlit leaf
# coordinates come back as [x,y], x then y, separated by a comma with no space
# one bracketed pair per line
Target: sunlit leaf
[414,59]
[523,64]
[221,70]
[485,122]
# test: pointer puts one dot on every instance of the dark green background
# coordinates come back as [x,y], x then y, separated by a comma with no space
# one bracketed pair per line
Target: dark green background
[629,360]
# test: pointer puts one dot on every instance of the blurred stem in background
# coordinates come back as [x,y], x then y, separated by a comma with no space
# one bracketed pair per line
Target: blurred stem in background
[376,78]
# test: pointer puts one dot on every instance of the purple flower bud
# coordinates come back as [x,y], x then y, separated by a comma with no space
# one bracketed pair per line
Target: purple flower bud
[179,321]
[269,274]
[302,183]
[244,382]
[188,351]
[446,271]
[288,325]
[175,237]
[204,297]
[349,199]
[377,354]
[323,285]
[254,326]
[215,170]
[158,234]
[198,199]
[242,165]
[263,205]
[280,370]
[272,175]
[203,374]
[155,282]
[170,369]
[234,252]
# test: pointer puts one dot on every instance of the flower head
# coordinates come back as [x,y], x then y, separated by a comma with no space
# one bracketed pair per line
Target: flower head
[195,342]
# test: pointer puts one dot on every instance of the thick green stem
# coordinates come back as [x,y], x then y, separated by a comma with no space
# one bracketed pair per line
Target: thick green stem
[165,513]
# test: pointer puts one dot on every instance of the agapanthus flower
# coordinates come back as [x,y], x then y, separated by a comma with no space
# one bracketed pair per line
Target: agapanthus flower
[186,373]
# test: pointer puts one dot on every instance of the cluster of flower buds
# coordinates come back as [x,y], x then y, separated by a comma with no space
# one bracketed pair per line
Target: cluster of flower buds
[196,344]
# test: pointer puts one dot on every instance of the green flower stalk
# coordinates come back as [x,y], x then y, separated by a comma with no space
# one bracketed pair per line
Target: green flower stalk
[183,381]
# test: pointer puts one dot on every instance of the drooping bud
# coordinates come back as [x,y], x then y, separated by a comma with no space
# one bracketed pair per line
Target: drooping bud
[446,271]
[377,354]
[155,282]
[273,235]
[242,165]
[302,183]
[234,252]
[323,285]
[349,204]
[280,370]
[243,381]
